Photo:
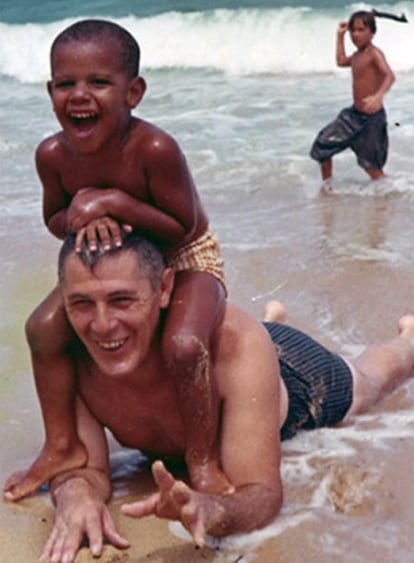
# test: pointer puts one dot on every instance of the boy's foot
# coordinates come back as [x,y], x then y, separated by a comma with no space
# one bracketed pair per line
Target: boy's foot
[47,465]
[327,187]
[275,312]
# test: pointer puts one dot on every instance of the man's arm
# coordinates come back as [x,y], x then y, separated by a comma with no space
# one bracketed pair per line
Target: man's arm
[80,497]
[249,384]
[342,58]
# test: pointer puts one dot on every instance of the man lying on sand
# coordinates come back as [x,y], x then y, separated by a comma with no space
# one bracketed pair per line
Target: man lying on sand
[271,381]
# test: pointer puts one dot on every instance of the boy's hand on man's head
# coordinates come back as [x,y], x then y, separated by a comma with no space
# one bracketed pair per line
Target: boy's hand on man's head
[86,205]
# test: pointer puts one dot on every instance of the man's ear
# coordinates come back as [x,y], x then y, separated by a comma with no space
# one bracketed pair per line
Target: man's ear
[167,286]
[136,91]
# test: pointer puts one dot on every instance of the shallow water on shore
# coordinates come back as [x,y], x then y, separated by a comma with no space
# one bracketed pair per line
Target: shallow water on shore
[342,264]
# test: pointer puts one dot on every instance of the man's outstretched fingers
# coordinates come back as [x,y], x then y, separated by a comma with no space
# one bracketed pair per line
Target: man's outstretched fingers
[141,508]
[163,478]
[192,514]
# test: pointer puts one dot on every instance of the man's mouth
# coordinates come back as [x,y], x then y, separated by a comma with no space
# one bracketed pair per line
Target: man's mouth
[112,345]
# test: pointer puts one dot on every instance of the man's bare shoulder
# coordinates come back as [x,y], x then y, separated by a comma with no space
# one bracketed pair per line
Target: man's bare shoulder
[241,338]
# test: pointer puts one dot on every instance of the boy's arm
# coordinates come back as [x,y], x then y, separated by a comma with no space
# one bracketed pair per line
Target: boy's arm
[92,204]
[374,103]
[250,448]
[55,199]
[172,209]
[80,497]
[341,57]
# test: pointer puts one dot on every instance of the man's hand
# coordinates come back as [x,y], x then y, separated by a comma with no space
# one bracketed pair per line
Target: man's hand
[79,512]
[175,501]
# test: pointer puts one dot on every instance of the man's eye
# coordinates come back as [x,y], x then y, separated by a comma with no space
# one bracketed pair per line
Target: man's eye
[81,303]
[122,300]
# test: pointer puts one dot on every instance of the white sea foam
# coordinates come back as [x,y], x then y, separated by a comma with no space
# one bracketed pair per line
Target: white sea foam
[242,41]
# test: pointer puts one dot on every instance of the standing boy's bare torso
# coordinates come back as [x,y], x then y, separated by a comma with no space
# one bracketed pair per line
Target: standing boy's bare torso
[367,78]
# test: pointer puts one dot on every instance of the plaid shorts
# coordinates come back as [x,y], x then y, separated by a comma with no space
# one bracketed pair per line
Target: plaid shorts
[202,255]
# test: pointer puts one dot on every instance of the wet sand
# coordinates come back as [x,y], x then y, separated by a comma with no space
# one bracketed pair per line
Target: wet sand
[344,268]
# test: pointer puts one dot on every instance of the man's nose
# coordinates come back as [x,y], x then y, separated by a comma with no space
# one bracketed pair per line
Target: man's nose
[103,322]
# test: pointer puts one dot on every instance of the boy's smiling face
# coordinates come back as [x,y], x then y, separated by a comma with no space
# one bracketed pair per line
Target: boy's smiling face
[92,93]
[361,34]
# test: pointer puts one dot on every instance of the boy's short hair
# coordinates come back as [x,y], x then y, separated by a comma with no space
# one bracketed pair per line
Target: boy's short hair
[368,19]
[91,29]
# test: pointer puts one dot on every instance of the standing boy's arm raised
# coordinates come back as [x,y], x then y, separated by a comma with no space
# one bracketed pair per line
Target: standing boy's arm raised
[342,59]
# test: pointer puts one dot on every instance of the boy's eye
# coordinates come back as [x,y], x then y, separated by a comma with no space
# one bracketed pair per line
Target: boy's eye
[64,84]
[100,81]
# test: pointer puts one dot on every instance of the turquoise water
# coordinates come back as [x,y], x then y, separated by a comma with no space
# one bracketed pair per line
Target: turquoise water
[244,87]
[22,11]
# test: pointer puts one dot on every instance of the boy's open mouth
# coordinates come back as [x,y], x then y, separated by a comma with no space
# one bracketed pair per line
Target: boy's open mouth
[84,121]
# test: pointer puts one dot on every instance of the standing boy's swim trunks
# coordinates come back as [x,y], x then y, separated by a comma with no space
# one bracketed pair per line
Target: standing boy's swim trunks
[366,134]
[201,255]
[319,383]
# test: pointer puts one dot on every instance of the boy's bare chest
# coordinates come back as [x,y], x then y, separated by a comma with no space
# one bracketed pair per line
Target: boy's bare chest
[87,171]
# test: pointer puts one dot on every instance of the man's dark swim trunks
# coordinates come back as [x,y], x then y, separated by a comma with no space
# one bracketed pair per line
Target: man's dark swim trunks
[319,383]
[366,134]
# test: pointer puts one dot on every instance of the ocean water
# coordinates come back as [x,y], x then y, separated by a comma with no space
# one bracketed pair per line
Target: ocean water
[245,86]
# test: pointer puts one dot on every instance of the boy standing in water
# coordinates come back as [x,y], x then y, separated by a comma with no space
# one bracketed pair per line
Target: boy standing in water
[363,126]
[107,170]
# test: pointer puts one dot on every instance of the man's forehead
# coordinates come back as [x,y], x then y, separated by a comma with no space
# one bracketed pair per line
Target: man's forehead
[122,264]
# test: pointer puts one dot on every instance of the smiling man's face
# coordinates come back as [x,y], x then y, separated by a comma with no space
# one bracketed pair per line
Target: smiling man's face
[114,310]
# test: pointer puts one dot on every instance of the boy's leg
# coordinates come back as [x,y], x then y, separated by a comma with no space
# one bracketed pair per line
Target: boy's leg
[196,307]
[379,369]
[375,174]
[49,335]
[326,169]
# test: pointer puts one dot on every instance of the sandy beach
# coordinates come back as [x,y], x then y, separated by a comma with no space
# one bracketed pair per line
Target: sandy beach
[353,481]
[245,115]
